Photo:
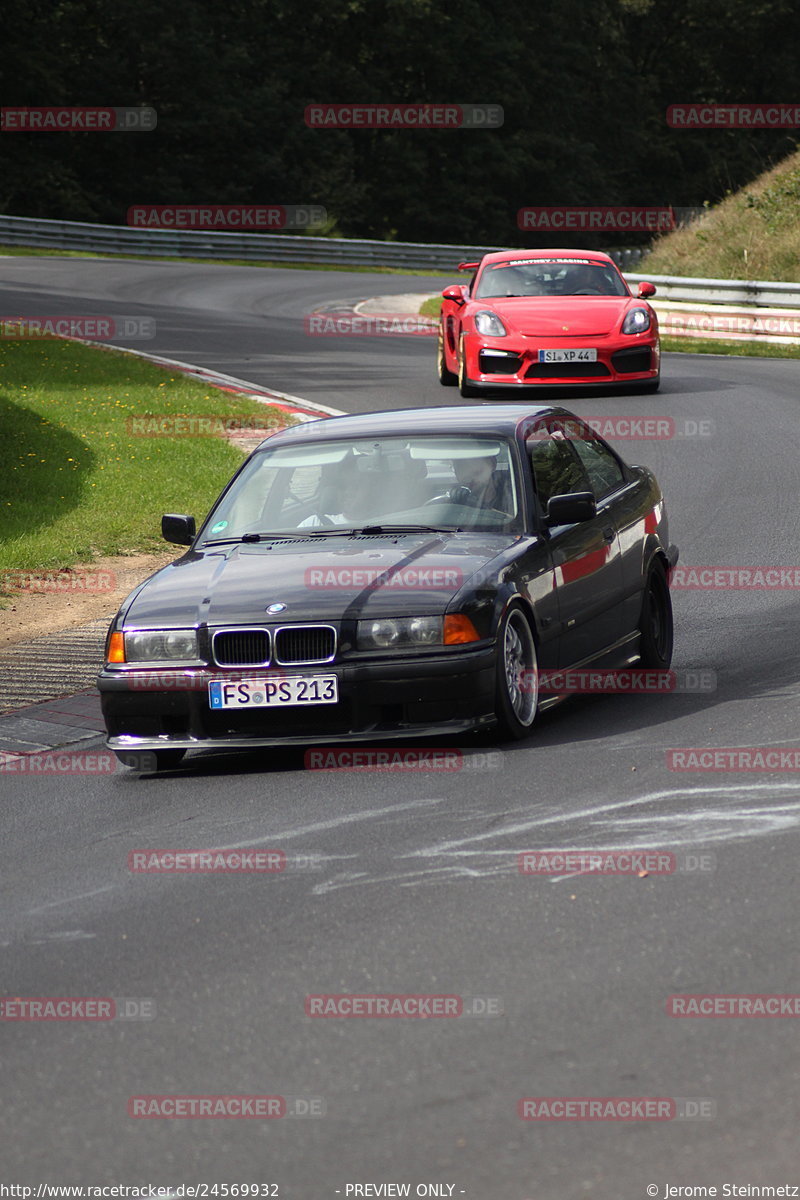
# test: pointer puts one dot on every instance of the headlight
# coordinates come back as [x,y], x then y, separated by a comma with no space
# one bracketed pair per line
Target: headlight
[398,633]
[489,324]
[163,645]
[637,321]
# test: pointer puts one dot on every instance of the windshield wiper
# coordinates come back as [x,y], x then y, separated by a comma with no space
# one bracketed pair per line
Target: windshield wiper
[289,536]
[246,537]
[316,531]
[408,529]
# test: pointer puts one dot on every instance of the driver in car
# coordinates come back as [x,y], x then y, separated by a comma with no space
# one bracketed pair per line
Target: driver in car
[583,280]
[349,498]
[481,484]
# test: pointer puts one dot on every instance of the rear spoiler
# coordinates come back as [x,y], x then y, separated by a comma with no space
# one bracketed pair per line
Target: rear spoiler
[468,266]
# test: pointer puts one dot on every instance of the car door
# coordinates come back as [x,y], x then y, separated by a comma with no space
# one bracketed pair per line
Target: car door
[621,493]
[586,556]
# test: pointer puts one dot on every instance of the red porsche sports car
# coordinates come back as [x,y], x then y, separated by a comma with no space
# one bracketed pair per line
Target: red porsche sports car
[547,317]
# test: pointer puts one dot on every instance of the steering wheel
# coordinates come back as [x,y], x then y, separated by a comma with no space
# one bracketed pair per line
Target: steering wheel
[324,520]
[456,495]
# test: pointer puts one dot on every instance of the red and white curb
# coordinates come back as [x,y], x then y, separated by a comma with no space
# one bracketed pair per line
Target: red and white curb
[296,406]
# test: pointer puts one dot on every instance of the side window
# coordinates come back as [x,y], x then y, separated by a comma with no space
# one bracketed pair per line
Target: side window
[605,473]
[556,470]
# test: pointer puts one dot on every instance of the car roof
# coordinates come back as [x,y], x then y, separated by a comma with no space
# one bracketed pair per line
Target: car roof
[500,256]
[490,419]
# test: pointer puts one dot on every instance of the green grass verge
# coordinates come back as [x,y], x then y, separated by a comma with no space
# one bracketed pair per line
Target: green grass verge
[77,483]
[34,252]
[752,234]
[685,345]
[432,307]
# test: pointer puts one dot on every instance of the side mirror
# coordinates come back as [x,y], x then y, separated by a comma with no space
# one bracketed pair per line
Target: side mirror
[455,293]
[178,529]
[568,510]
[646,290]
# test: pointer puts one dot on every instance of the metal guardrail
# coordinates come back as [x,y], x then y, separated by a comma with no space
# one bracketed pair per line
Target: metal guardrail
[760,292]
[292,248]
[251,247]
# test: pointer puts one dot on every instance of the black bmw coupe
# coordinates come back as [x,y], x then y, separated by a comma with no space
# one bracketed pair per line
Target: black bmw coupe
[390,575]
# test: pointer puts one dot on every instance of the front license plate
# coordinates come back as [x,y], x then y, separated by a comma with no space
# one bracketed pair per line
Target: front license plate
[273,693]
[568,356]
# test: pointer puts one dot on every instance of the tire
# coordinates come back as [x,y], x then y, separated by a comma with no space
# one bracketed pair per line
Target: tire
[151,761]
[469,393]
[655,623]
[516,702]
[446,377]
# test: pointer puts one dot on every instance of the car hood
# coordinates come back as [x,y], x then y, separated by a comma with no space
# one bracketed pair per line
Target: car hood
[320,580]
[565,317]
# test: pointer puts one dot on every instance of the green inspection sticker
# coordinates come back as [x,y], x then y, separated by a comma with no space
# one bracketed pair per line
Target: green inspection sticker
[220,525]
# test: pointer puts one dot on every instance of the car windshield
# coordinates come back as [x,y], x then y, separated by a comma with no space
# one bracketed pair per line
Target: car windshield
[549,277]
[432,482]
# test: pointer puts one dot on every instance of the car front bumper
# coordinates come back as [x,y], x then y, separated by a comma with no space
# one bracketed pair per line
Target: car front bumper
[491,364]
[425,696]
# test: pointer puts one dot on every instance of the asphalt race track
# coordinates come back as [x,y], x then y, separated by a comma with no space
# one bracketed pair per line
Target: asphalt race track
[409,882]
